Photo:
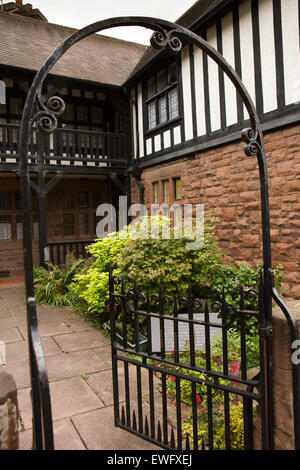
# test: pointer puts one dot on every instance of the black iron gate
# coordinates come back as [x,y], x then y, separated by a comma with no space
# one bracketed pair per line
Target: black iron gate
[171,385]
[43,113]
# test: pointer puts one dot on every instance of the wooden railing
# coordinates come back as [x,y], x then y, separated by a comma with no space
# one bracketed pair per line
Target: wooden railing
[67,147]
[59,250]
[9,135]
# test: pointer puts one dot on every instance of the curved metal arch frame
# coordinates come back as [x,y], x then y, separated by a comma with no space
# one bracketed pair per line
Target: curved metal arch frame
[169,36]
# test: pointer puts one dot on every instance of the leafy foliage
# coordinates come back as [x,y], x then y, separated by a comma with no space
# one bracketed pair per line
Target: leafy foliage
[151,263]
[92,286]
[234,347]
[52,284]
[236,421]
[154,262]
[236,425]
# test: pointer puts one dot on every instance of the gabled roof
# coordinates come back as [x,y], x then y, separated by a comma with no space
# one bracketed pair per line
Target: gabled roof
[26,43]
[198,11]
[198,14]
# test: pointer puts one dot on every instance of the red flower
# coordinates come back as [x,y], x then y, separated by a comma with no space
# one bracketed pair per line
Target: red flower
[198,399]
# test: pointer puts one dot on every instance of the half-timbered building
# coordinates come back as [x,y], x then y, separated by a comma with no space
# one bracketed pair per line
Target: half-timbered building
[84,162]
[187,120]
[163,128]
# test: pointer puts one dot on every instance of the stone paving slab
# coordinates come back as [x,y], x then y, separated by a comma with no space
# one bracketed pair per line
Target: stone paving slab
[78,359]
[13,303]
[101,382]
[11,335]
[78,363]
[8,322]
[97,432]
[19,351]
[77,325]
[66,437]
[49,328]
[4,312]
[46,314]
[79,341]
[20,372]
[69,397]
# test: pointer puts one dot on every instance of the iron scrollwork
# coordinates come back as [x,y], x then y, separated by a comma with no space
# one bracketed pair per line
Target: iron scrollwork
[252,147]
[168,40]
[46,118]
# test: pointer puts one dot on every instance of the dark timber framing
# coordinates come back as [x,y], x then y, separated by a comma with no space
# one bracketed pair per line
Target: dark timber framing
[221,76]
[257,57]
[237,58]
[279,53]
[180,102]
[281,114]
[193,81]
[206,90]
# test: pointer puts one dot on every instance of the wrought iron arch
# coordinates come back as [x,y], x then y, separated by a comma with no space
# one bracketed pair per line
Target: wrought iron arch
[171,37]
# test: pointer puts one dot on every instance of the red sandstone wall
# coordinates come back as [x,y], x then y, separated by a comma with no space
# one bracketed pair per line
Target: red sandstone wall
[11,256]
[226,181]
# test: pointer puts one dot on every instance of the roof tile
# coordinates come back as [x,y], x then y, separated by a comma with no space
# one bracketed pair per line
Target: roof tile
[26,43]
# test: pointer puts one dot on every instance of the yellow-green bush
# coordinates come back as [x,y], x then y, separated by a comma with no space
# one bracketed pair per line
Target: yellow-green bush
[236,425]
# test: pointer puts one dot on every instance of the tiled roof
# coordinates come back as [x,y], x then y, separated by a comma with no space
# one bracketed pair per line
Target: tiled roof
[26,43]
[24,10]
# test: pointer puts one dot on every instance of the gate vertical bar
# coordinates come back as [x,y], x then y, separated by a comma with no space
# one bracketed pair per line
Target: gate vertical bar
[41,200]
[113,348]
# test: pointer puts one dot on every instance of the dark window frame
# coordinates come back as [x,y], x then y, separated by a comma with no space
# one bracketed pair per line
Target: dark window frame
[176,198]
[155,184]
[14,213]
[159,95]
[168,193]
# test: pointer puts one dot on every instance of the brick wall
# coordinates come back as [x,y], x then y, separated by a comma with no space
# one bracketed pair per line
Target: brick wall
[11,256]
[226,181]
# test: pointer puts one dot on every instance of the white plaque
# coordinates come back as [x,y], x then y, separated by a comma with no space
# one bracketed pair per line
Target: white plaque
[183,331]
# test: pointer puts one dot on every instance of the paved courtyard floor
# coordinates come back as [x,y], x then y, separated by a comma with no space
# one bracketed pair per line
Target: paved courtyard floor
[79,368]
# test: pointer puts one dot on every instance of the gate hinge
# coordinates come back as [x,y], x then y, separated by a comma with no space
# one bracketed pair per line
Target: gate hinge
[267,330]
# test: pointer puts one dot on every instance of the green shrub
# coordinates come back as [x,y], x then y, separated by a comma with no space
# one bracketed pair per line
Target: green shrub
[236,425]
[157,262]
[150,262]
[236,421]
[92,286]
[234,347]
[217,398]
[52,284]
